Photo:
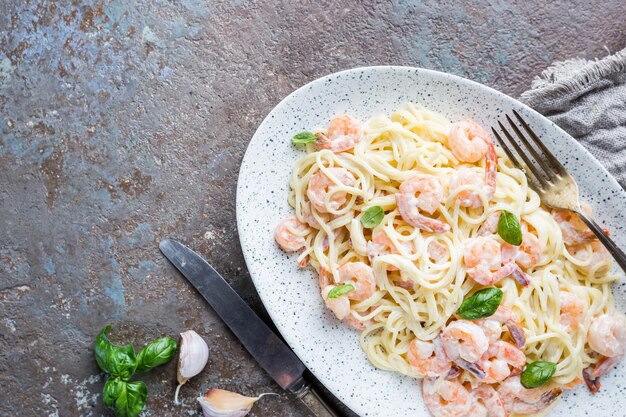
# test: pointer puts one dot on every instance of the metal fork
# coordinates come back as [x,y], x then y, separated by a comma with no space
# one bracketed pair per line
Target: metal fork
[555,186]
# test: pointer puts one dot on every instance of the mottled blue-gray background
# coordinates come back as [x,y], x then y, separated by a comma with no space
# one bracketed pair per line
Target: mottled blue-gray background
[124,121]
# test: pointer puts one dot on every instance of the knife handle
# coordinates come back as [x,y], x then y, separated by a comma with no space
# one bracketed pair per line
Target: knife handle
[314,402]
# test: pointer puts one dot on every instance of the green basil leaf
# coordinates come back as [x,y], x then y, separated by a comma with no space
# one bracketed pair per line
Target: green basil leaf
[156,353]
[340,290]
[102,350]
[509,228]
[112,390]
[482,304]
[537,373]
[125,362]
[119,361]
[372,217]
[131,399]
[303,138]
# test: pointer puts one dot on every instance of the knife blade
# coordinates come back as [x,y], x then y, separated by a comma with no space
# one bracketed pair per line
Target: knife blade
[263,344]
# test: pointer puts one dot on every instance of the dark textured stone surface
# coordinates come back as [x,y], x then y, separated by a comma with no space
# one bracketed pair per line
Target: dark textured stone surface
[123,122]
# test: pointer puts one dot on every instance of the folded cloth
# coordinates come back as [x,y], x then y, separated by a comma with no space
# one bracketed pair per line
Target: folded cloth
[587,99]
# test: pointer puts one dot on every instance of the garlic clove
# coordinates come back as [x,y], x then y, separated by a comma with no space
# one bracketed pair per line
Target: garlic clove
[193,357]
[221,403]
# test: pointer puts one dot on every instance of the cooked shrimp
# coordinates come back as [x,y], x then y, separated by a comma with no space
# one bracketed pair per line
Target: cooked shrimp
[572,310]
[468,141]
[481,255]
[525,255]
[598,256]
[463,339]
[437,251]
[492,326]
[421,192]
[492,329]
[483,260]
[320,186]
[520,400]
[428,358]
[496,360]
[490,225]
[449,399]
[607,335]
[343,133]
[381,244]
[340,305]
[307,216]
[574,230]
[361,276]
[467,176]
[592,374]
[290,234]
[486,402]
[359,324]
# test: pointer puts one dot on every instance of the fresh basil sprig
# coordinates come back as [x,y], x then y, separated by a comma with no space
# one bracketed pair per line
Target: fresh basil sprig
[120,363]
[156,353]
[537,373]
[509,228]
[340,290]
[372,217]
[482,304]
[303,138]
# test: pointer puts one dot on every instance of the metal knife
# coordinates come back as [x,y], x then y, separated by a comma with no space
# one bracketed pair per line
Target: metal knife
[268,350]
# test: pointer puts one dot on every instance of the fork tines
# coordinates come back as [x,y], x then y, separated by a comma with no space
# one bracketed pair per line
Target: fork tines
[543,165]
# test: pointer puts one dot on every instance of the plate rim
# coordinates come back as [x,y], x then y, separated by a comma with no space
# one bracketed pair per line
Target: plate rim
[434,73]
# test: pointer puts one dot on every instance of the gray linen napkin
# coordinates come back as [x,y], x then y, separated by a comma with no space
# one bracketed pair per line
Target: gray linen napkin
[587,99]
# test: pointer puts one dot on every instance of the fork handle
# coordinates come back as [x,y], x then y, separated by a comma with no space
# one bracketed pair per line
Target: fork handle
[608,243]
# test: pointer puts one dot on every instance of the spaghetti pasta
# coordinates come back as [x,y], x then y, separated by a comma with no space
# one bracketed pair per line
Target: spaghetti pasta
[421,272]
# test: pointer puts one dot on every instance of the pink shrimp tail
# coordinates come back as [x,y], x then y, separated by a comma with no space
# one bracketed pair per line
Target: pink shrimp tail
[473,368]
[592,373]
[491,164]
[593,383]
[515,271]
[454,372]
[517,334]
[589,235]
[324,278]
[323,141]
[432,225]
[422,222]
[304,262]
[510,268]
[522,277]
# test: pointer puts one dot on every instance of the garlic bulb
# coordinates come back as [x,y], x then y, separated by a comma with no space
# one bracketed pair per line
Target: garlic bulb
[222,403]
[193,356]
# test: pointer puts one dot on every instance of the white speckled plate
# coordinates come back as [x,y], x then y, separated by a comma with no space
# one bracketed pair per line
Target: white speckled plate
[329,348]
